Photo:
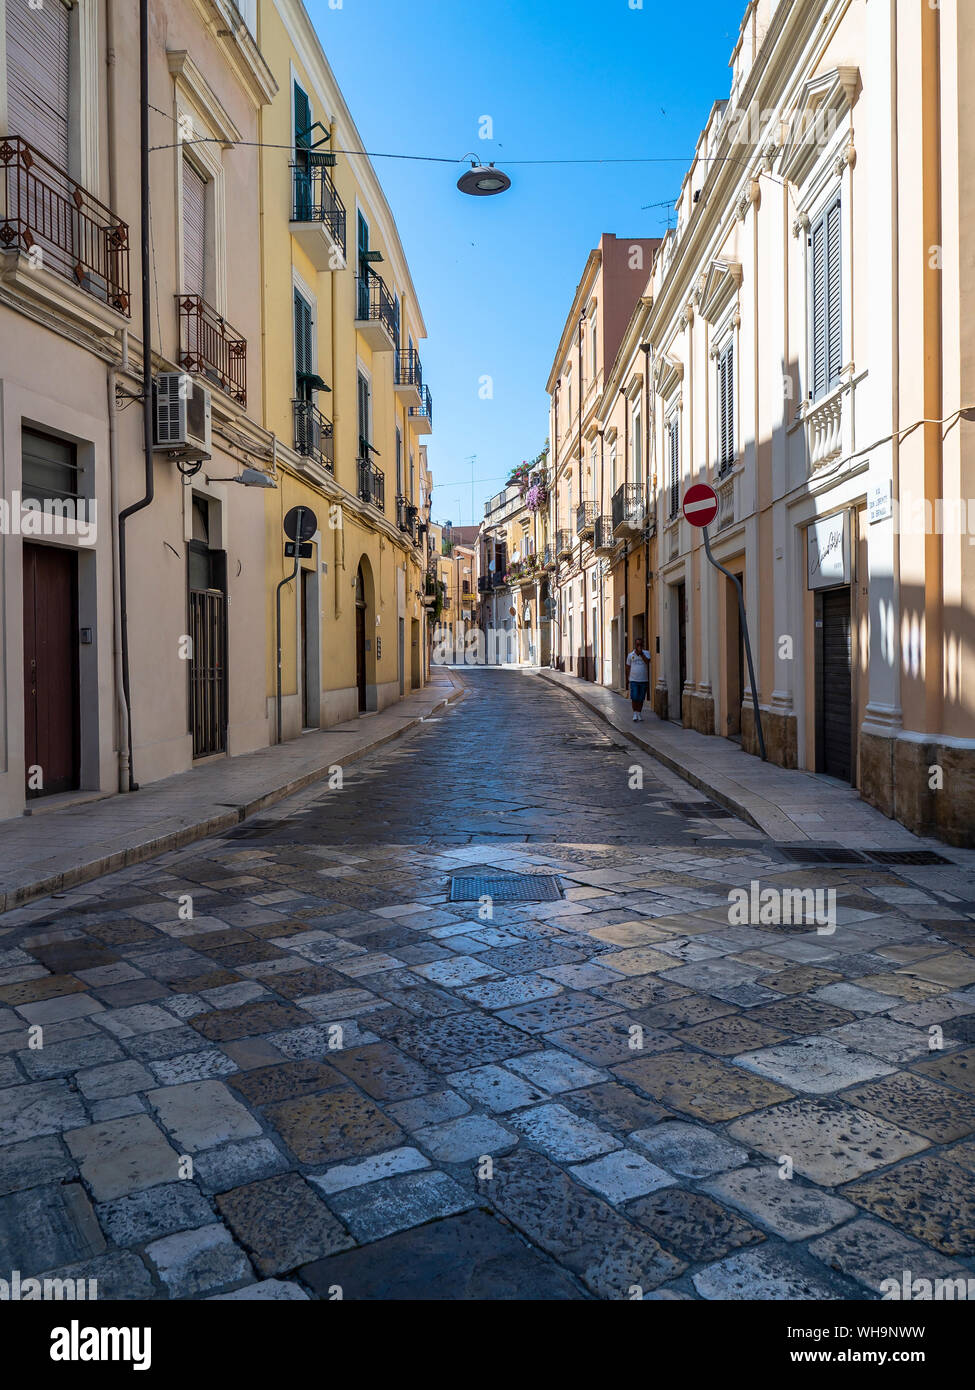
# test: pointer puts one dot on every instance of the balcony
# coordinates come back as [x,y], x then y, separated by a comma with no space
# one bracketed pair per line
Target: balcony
[548,557]
[585,519]
[422,415]
[629,513]
[483,583]
[318,217]
[824,430]
[409,377]
[406,518]
[563,544]
[46,215]
[372,484]
[211,348]
[603,540]
[313,435]
[375,312]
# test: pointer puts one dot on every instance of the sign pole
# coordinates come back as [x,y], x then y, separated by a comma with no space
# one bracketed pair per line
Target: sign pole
[748,645]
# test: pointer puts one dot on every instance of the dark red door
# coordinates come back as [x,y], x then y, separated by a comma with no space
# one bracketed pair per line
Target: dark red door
[51,733]
[360,654]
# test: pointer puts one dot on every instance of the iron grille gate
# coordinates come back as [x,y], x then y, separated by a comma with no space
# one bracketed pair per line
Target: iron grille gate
[208,672]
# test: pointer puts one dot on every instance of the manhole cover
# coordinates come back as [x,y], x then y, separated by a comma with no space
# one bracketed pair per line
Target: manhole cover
[511,888]
[906,856]
[815,855]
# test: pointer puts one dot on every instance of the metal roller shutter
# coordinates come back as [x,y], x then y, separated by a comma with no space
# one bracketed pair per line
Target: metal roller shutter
[38,68]
[194,230]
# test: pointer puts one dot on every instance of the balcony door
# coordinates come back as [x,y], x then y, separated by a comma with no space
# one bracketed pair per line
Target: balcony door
[364,268]
[302,139]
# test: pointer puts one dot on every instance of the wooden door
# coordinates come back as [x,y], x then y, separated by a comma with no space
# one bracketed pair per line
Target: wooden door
[51,703]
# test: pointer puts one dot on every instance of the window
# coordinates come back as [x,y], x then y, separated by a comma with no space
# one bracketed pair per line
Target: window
[304,348]
[636,447]
[594,469]
[362,393]
[612,467]
[726,408]
[568,394]
[399,462]
[38,76]
[50,467]
[593,348]
[673,463]
[194,230]
[826,302]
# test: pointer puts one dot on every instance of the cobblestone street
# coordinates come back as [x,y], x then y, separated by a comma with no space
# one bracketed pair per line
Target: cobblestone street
[288,1063]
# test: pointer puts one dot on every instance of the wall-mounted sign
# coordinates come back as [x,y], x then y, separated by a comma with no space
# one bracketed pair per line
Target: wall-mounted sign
[828,551]
[879,501]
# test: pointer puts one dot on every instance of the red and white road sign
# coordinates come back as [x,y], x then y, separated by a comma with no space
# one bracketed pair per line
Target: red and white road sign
[700,504]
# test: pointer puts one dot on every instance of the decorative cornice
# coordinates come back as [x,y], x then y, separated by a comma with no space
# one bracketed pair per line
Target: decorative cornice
[722,282]
[830,95]
[189,76]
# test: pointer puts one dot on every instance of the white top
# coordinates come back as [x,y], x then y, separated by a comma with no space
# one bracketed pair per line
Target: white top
[639,664]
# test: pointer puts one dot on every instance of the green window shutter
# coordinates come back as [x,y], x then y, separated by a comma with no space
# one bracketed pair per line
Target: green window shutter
[302,118]
[304,355]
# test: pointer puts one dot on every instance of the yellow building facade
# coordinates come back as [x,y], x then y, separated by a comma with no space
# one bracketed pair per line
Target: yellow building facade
[345,400]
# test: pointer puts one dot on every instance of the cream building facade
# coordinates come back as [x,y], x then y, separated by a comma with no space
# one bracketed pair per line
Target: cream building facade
[238,234]
[809,348]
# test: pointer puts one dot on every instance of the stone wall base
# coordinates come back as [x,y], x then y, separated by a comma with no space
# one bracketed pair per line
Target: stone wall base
[781,735]
[697,712]
[661,702]
[928,786]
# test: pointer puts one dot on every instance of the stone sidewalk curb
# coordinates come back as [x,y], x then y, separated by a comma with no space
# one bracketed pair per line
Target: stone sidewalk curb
[758,811]
[108,858]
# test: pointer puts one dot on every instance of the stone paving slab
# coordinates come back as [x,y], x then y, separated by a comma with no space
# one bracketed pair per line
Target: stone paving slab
[268,1099]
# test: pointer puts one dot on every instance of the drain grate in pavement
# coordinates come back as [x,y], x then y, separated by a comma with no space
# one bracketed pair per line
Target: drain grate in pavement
[906,856]
[509,888]
[816,854]
[706,809]
[252,830]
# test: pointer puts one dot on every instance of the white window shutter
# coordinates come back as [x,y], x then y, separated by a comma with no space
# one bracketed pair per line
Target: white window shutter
[834,295]
[38,68]
[194,230]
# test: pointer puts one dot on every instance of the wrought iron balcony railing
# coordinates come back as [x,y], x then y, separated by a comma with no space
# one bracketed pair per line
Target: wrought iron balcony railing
[372,483]
[315,199]
[313,434]
[563,543]
[408,369]
[603,534]
[45,212]
[629,512]
[585,518]
[374,301]
[483,583]
[210,347]
[424,411]
[408,518]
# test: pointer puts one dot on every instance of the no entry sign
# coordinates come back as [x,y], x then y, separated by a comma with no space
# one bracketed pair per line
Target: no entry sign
[700,504]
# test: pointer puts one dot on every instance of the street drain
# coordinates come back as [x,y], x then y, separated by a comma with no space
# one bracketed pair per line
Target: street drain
[906,856]
[510,888]
[813,854]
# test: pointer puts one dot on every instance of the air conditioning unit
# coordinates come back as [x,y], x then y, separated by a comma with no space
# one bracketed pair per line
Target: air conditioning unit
[181,416]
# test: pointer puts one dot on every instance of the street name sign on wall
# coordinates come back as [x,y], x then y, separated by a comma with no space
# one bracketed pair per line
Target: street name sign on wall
[700,504]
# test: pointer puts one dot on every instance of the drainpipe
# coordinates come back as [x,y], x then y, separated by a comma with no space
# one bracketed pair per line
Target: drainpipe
[602,581]
[626,543]
[582,572]
[122,708]
[146,499]
[646,350]
[555,515]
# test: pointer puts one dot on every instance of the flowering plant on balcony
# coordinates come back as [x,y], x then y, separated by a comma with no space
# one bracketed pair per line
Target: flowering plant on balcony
[536,496]
[519,476]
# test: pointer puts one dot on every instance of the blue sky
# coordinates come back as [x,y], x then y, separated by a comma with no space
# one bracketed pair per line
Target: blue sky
[560,79]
